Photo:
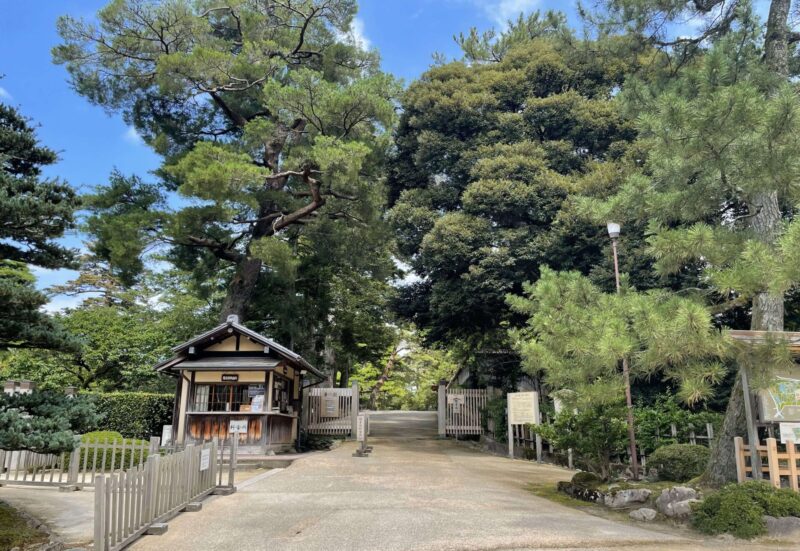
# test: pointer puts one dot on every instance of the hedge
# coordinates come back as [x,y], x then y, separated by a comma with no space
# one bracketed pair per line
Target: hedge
[134,414]
[110,460]
[679,462]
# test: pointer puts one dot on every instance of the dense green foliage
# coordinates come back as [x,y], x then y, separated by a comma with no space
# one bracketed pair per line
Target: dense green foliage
[487,157]
[679,462]
[44,422]
[577,335]
[133,414]
[737,509]
[34,211]
[496,412]
[596,435]
[654,423]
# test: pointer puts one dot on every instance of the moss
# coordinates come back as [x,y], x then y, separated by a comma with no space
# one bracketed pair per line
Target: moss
[14,530]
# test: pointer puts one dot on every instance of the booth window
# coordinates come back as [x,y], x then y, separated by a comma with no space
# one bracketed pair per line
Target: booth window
[221,398]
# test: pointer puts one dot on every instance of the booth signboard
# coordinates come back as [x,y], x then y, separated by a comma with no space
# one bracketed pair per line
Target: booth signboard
[230,377]
[237,426]
[255,390]
[790,431]
[166,435]
[205,459]
[257,403]
[330,403]
[523,408]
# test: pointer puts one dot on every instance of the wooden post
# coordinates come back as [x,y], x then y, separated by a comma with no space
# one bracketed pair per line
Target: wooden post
[752,432]
[442,410]
[99,513]
[354,411]
[569,459]
[538,436]
[510,433]
[155,445]
[772,462]
[234,451]
[741,473]
[74,465]
[791,452]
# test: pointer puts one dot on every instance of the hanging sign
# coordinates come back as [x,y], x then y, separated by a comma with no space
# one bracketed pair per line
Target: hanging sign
[237,426]
[257,403]
[330,403]
[523,408]
[455,401]
[205,459]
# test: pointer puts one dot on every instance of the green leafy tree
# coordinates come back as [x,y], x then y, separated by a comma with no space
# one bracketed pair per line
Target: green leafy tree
[269,117]
[34,211]
[44,422]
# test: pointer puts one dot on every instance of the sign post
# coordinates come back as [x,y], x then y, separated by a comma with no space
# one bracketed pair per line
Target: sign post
[523,409]
[362,431]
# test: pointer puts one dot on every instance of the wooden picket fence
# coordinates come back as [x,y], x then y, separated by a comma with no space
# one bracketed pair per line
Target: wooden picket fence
[128,503]
[463,411]
[778,462]
[78,468]
[318,416]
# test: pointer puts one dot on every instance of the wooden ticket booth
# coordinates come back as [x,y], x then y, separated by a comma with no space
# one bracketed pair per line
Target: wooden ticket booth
[231,373]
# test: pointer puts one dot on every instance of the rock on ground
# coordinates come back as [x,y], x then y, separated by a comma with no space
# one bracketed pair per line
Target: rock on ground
[626,498]
[644,514]
[676,502]
[782,526]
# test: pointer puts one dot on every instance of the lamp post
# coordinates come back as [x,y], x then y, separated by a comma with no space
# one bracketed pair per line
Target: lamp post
[613,233]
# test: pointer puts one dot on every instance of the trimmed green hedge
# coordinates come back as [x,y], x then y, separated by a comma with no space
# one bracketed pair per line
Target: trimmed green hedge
[679,462]
[134,414]
[112,460]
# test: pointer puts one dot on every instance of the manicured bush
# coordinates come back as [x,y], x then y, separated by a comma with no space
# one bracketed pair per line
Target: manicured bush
[738,509]
[134,414]
[128,450]
[679,462]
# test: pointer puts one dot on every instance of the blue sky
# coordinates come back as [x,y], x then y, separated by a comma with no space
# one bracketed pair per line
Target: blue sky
[90,142]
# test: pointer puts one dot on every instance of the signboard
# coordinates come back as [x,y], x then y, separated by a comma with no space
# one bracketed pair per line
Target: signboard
[257,403]
[781,401]
[237,425]
[523,408]
[330,403]
[361,428]
[255,390]
[205,459]
[230,377]
[455,401]
[166,434]
[790,431]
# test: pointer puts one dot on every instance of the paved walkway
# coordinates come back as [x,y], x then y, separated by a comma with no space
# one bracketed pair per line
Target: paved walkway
[410,494]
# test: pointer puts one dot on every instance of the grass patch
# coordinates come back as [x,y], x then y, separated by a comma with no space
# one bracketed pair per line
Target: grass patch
[548,490]
[14,530]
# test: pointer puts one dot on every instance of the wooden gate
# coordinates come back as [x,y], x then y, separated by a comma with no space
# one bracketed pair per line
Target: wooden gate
[463,410]
[331,411]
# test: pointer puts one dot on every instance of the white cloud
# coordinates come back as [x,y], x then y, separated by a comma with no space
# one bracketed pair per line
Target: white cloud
[501,11]
[132,136]
[5,94]
[356,35]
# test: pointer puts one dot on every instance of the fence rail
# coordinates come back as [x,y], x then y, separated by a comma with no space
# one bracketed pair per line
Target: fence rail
[778,465]
[128,503]
[79,467]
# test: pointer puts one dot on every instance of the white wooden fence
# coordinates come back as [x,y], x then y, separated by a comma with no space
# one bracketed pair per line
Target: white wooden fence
[462,410]
[78,468]
[128,503]
[331,411]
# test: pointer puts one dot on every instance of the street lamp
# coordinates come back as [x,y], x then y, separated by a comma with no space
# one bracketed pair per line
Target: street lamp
[613,233]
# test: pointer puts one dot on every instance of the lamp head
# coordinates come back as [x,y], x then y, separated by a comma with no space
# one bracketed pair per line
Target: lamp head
[613,230]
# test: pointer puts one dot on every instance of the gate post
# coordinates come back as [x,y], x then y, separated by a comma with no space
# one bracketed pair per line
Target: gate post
[442,409]
[354,411]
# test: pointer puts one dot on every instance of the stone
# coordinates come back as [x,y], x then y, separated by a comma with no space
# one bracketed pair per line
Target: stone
[622,499]
[782,527]
[644,514]
[676,501]
[193,507]
[158,529]
[580,492]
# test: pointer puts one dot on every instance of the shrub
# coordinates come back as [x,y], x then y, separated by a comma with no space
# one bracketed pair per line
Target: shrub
[134,414]
[738,509]
[496,411]
[679,462]
[127,450]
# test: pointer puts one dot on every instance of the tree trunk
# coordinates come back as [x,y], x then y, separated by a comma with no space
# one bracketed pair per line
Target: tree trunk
[767,310]
[241,289]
